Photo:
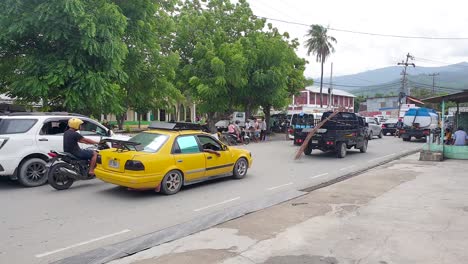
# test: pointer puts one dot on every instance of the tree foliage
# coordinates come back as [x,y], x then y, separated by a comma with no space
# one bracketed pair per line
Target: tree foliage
[62,53]
[105,56]
[321,45]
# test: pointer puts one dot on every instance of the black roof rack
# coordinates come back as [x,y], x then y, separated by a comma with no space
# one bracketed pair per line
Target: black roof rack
[177,126]
[44,113]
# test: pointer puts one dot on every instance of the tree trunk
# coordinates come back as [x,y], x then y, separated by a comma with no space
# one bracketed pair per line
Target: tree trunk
[211,122]
[120,120]
[321,84]
[266,111]
[139,121]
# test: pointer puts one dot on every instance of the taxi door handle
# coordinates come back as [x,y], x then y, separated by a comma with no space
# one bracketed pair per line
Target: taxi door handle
[180,161]
[209,157]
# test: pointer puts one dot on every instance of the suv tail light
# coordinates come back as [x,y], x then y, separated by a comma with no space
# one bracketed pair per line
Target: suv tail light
[3,141]
[384,125]
[134,165]
[426,132]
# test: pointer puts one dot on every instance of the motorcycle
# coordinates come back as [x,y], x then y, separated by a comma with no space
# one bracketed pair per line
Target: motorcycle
[64,168]
[233,140]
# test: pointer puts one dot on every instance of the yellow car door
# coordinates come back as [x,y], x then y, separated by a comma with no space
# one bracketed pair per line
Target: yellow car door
[218,159]
[189,158]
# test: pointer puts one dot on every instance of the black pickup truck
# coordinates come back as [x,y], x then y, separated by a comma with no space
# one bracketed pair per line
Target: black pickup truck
[342,132]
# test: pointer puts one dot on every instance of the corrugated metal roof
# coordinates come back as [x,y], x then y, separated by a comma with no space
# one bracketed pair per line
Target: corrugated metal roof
[316,89]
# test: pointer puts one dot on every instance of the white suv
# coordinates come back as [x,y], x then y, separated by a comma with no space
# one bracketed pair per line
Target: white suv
[27,138]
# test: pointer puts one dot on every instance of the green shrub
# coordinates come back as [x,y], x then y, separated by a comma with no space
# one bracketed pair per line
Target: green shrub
[128,129]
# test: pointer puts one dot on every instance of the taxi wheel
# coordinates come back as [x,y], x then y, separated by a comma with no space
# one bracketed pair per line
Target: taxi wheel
[172,182]
[240,168]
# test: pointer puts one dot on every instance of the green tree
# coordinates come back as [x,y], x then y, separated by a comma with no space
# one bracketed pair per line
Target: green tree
[150,67]
[357,102]
[275,71]
[321,45]
[67,54]
[212,57]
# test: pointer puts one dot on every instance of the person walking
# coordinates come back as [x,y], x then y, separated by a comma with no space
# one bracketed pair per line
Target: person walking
[460,137]
[263,128]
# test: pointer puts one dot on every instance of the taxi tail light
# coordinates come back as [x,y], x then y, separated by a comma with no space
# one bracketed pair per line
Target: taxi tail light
[134,165]
[99,159]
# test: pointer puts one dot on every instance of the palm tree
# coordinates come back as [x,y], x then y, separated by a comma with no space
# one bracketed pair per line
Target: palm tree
[321,46]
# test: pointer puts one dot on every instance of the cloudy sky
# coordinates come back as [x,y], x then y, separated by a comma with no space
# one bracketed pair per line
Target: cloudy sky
[355,52]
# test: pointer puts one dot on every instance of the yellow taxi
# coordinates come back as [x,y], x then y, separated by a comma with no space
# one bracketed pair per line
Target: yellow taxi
[169,156]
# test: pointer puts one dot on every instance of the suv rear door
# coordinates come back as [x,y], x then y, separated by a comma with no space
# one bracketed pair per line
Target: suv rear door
[50,136]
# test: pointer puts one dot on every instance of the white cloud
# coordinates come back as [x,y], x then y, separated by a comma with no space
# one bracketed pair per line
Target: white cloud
[356,53]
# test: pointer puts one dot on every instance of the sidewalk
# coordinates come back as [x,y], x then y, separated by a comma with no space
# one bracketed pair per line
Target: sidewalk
[407,211]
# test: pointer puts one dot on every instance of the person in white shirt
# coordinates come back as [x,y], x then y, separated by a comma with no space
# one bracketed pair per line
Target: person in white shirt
[460,137]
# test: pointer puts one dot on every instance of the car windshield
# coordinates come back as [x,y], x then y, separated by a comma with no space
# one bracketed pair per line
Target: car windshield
[149,142]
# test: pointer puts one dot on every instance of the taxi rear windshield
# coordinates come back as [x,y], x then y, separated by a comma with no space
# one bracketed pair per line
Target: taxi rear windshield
[149,142]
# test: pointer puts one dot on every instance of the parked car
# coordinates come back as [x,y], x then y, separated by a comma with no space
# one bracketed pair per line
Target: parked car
[389,127]
[374,128]
[167,158]
[26,138]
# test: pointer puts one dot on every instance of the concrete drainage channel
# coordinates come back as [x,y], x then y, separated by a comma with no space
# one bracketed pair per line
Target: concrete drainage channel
[135,245]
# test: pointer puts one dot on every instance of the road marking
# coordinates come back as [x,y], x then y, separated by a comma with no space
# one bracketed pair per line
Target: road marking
[349,167]
[213,205]
[386,156]
[276,187]
[81,243]
[320,175]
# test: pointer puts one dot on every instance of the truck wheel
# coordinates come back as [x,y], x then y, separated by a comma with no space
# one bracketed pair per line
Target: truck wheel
[363,149]
[341,150]
[308,150]
[381,134]
[371,135]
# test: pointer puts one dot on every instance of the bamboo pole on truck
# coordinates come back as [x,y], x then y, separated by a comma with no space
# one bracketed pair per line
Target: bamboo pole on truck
[313,131]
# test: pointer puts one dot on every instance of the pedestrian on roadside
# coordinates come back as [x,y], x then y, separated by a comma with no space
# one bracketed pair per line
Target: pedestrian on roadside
[460,137]
[448,137]
[263,128]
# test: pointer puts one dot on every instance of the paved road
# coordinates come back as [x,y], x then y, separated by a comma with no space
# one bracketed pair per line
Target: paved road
[40,225]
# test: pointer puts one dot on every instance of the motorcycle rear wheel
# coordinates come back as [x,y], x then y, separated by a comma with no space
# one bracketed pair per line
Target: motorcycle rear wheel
[56,179]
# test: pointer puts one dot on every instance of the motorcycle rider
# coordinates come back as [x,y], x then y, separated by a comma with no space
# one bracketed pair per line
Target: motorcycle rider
[71,138]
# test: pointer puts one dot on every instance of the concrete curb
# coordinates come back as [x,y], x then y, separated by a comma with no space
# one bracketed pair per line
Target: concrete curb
[358,172]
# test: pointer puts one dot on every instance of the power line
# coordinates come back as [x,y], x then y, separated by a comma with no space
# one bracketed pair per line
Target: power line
[367,33]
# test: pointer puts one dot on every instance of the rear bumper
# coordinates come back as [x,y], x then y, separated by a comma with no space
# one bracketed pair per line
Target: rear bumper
[388,130]
[8,165]
[134,182]
[414,133]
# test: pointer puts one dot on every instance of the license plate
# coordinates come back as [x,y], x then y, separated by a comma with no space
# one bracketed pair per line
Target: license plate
[114,164]
[390,126]
[314,141]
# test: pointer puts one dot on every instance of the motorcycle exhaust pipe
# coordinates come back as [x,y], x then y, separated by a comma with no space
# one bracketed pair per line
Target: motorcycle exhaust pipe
[69,173]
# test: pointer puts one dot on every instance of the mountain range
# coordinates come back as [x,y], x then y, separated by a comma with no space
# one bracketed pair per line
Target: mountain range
[450,79]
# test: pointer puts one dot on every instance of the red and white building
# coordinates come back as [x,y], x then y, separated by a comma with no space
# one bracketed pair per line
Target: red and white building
[309,100]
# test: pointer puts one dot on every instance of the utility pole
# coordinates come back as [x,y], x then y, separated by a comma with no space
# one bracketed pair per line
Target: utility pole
[404,92]
[330,90]
[433,81]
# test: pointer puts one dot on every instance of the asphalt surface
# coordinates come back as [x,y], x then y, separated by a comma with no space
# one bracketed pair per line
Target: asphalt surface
[41,225]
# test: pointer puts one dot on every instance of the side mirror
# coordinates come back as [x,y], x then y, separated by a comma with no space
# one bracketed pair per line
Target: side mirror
[225,147]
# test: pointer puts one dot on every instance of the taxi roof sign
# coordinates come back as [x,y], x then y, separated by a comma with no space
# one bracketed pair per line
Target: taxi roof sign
[174,126]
